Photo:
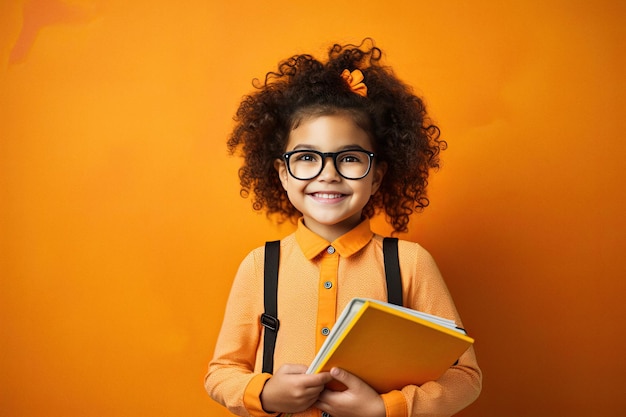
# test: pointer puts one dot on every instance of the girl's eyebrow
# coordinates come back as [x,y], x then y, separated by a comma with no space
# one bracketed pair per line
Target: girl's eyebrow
[303,146]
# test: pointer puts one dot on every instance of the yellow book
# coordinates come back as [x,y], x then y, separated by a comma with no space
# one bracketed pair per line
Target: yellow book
[390,346]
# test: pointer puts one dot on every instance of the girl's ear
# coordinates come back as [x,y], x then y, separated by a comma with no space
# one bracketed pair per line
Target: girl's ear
[380,169]
[281,168]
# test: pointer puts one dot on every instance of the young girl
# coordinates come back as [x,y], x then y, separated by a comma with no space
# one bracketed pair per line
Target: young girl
[330,144]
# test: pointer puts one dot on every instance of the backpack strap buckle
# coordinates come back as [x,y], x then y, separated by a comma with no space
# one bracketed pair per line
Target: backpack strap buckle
[270,322]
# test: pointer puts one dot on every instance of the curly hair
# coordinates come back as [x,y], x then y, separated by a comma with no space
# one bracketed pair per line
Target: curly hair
[403,135]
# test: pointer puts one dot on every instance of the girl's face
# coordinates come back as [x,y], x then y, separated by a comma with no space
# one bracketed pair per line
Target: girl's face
[330,204]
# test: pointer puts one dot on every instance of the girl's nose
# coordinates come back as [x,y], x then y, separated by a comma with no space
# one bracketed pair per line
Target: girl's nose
[329,172]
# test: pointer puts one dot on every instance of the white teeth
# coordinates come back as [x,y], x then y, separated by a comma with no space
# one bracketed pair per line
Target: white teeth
[328,196]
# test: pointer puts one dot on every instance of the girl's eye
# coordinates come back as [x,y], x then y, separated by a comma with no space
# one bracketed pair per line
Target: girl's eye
[347,158]
[307,157]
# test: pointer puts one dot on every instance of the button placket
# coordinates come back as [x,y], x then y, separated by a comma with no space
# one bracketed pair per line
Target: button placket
[327,294]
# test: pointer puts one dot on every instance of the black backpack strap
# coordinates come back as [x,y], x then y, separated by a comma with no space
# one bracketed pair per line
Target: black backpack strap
[392,271]
[269,319]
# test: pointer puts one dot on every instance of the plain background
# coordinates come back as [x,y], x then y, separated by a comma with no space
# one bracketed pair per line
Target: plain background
[121,225]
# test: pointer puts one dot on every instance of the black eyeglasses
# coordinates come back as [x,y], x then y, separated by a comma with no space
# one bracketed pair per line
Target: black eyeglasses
[307,164]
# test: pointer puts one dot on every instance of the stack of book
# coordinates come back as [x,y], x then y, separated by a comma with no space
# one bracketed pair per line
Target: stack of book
[390,346]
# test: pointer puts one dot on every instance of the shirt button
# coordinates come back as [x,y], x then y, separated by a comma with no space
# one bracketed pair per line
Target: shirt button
[325,331]
[330,250]
[328,285]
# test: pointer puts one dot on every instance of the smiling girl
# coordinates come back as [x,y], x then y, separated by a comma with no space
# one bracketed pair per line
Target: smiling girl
[329,145]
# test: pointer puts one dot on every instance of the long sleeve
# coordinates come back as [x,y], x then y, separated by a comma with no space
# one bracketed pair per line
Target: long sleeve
[231,380]
[427,292]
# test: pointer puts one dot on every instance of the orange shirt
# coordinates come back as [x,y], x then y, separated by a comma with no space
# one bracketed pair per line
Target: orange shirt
[316,280]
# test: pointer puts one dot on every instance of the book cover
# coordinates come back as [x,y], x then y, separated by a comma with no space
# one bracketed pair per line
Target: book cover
[390,346]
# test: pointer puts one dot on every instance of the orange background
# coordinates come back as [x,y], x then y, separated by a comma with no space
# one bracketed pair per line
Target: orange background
[121,225]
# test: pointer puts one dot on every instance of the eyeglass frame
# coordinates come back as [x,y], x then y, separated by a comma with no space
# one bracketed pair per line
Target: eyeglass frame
[325,156]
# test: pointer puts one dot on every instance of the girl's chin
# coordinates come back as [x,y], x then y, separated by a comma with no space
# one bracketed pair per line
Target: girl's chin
[315,222]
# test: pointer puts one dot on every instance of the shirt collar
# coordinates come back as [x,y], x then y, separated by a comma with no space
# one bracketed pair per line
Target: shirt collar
[348,244]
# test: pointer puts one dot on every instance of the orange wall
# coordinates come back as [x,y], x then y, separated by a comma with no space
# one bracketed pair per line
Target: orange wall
[121,225]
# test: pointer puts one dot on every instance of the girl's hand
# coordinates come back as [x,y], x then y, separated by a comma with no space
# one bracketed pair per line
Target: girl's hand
[291,389]
[359,400]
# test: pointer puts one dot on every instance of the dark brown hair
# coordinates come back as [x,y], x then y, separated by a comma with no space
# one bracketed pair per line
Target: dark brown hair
[403,135]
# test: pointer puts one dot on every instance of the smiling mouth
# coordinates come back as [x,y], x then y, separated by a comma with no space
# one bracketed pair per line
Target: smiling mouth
[327,196]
